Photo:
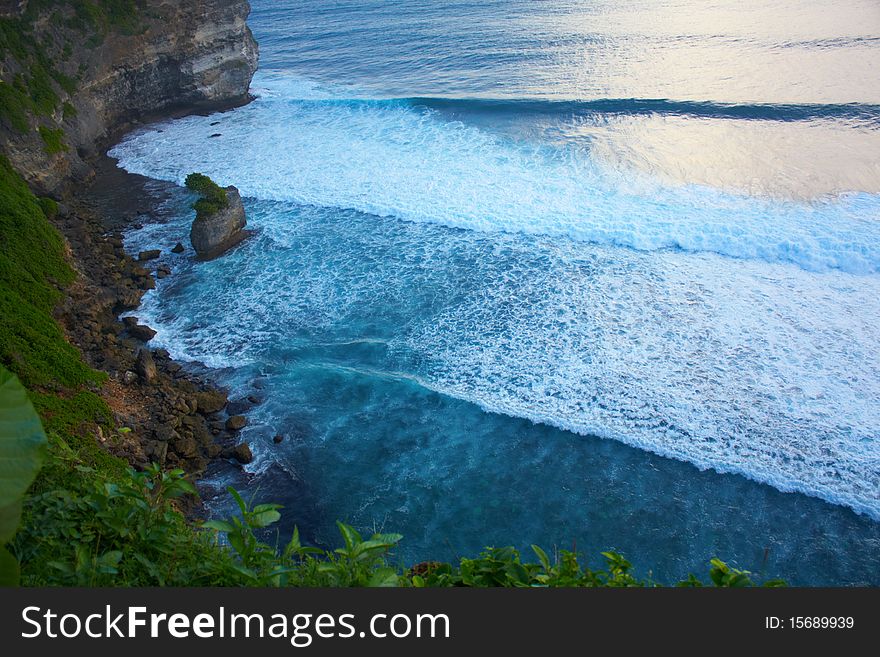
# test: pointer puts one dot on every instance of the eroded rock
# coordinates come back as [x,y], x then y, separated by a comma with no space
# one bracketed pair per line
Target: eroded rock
[214,234]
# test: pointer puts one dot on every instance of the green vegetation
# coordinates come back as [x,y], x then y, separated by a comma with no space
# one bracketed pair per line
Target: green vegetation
[22,443]
[30,92]
[128,533]
[213,197]
[88,519]
[68,111]
[34,90]
[49,206]
[98,17]
[53,139]
[14,107]
[32,269]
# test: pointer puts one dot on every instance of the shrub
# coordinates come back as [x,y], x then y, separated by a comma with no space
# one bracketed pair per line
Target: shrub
[22,444]
[213,197]
[14,107]
[128,533]
[48,206]
[53,140]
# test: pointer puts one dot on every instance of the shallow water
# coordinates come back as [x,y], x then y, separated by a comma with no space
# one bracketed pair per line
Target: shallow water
[551,273]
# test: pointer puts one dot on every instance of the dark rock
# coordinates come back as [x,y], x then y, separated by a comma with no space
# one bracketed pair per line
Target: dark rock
[238,406]
[129,321]
[210,401]
[241,453]
[128,300]
[141,332]
[162,354]
[162,273]
[186,446]
[214,234]
[157,450]
[178,248]
[236,422]
[216,134]
[165,433]
[145,366]
[152,254]
[202,435]
[278,438]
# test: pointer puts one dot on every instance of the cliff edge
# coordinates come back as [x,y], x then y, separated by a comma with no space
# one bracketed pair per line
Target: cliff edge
[73,74]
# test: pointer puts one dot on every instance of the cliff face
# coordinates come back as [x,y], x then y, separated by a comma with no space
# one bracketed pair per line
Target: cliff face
[111,64]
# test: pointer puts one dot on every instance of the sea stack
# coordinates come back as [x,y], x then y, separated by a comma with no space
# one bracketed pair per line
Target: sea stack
[220,217]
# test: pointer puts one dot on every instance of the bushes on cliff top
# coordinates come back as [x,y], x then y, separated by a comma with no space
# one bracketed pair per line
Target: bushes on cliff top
[212,196]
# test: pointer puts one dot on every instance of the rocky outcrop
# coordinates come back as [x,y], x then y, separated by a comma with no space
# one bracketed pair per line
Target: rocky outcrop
[187,55]
[214,234]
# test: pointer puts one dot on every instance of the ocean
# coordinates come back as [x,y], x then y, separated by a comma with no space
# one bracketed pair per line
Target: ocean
[585,274]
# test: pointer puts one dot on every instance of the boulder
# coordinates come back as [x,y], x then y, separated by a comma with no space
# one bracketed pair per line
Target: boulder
[236,423]
[152,254]
[214,234]
[238,406]
[185,446]
[178,248]
[141,332]
[241,453]
[145,366]
[210,401]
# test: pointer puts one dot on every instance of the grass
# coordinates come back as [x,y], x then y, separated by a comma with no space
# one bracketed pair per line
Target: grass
[33,273]
[53,139]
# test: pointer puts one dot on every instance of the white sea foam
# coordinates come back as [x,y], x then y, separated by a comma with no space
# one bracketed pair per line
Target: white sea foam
[299,143]
[747,365]
[755,369]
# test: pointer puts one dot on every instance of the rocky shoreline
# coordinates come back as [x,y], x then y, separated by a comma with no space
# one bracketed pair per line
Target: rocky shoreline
[72,85]
[177,417]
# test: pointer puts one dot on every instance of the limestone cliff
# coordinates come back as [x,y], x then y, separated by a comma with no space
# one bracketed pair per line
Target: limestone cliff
[73,74]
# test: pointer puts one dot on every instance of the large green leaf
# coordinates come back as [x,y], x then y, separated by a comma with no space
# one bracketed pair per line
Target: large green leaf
[22,445]
[9,570]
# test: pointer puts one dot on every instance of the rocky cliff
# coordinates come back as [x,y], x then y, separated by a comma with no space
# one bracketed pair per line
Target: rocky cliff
[74,73]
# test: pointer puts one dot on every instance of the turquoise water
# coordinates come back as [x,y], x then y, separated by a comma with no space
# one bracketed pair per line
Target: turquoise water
[553,273]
